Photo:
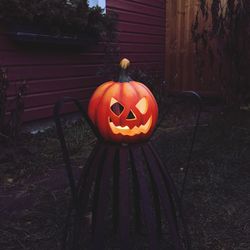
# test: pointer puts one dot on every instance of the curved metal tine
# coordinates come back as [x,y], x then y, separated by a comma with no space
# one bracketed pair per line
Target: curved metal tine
[154,185]
[162,91]
[165,191]
[85,173]
[123,199]
[86,117]
[101,198]
[147,213]
[161,102]
[198,100]
[169,183]
[84,190]
[57,109]
[65,229]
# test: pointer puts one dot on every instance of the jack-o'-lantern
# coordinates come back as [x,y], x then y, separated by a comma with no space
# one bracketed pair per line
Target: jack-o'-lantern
[123,110]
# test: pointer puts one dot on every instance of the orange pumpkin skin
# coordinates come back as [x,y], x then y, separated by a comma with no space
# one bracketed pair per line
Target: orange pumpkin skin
[137,113]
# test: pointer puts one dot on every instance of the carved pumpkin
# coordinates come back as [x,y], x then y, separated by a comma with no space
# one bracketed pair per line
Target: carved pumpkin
[123,111]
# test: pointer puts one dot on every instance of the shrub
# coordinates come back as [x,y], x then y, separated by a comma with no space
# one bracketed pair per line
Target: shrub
[57,17]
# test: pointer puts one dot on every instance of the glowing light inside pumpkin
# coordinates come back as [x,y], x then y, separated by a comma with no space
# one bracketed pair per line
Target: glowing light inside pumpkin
[113,101]
[142,105]
[131,131]
[117,108]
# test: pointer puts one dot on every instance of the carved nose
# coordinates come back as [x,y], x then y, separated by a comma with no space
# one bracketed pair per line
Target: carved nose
[130,115]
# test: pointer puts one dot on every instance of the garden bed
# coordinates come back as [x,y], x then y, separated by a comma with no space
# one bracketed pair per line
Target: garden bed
[34,192]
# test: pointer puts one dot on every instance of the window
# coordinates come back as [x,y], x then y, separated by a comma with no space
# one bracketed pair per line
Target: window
[101,3]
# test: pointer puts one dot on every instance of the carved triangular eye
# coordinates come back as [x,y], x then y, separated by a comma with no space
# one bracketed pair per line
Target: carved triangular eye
[130,116]
[142,105]
[116,107]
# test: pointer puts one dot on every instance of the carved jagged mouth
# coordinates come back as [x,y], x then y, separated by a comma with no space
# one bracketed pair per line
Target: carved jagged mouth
[131,131]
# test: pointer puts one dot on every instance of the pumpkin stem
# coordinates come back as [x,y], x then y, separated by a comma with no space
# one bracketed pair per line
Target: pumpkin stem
[123,76]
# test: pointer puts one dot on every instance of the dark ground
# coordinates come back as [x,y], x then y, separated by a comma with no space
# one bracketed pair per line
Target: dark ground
[34,193]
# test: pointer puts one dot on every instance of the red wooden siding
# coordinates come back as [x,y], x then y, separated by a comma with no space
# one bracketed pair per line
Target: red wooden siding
[51,74]
[141,32]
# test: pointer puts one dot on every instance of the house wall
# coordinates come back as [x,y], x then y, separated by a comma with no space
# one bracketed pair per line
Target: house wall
[51,74]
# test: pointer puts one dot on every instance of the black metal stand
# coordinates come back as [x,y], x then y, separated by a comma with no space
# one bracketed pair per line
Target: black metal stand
[197,99]
[128,195]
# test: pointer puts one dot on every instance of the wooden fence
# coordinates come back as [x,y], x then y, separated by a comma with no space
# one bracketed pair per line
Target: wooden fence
[180,57]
